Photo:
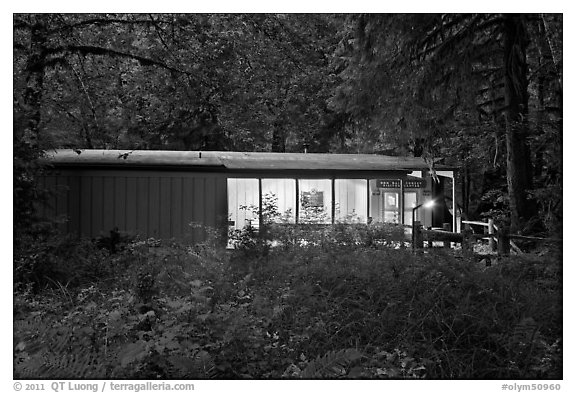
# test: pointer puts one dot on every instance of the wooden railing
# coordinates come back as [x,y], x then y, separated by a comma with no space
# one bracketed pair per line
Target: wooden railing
[499,240]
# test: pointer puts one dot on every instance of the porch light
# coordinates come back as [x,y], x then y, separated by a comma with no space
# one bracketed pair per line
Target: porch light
[428,204]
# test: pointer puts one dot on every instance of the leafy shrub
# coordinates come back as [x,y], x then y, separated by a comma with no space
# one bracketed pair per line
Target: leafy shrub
[61,260]
[330,308]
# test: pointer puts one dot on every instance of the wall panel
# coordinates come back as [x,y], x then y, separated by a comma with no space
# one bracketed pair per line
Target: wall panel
[120,211]
[175,219]
[221,202]
[148,203]
[210,202]
[199,208]
[132,205]
[143,198]
[74,205]
[61,202]
[187,206]
[109,219]
[97,207]
[165,208]
[154,207]
[86,206]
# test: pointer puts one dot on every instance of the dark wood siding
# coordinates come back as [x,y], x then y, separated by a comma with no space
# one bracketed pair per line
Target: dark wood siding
[176,208]
[97,207]
[131,205]
[146,203]
[120,206]
[187,207]
[85,205]
[154,207]
[142,203]
[109,218]
[74,213]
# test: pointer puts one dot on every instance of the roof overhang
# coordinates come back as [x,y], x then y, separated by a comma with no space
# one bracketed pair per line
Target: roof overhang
[234,161]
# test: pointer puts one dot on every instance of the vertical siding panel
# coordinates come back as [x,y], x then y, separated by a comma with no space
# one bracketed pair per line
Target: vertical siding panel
[74,205]
[62,190]
[176,207]
[108,209]
[86,206]
[142,227]
[199,207]
[188,206]
[154,208]
[132,204]
[222,208]
[165,206]
[221,202]
[97,208]
[120,203]
[210,199]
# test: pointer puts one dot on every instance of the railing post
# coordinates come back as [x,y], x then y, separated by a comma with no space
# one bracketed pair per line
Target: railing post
[448,228]
[491,240]
[418,237]
[504,241]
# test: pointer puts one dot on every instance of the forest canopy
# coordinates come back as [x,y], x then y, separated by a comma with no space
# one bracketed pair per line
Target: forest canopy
[480,91]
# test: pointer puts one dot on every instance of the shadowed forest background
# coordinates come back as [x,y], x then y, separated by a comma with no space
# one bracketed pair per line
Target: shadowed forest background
[477,90]
[482,92]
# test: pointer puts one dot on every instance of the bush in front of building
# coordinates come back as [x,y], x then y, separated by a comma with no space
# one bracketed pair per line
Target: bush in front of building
[171,310]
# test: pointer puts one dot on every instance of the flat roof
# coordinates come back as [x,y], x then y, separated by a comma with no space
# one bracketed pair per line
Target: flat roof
[234,160]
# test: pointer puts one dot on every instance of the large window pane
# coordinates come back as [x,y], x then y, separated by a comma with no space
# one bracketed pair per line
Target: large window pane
[410,202]
[243,202]
[315,201]
[391,207]
[279,199]
[351,200]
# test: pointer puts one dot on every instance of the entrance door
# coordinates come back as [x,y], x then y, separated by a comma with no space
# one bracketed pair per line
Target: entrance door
[391,207]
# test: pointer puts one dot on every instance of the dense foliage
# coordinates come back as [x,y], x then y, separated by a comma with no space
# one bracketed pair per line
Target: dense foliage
[318,309]
[483,91]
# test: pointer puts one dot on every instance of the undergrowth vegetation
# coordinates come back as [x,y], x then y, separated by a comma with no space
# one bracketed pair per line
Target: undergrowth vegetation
[338,305]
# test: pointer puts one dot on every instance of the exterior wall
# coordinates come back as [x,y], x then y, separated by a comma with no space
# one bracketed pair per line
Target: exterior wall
[158,204]
[162,203]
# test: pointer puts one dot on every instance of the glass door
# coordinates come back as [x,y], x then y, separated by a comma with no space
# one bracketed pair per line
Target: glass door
[391,211]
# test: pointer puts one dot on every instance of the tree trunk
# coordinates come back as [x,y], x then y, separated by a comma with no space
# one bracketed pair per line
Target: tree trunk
[35,78]
[518,168]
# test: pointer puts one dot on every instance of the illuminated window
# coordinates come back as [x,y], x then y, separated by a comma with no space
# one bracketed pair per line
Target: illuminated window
[351,200]
[279,199]
[315,201]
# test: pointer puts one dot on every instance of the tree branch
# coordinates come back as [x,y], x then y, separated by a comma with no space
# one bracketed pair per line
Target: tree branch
[103,21]
[100,51]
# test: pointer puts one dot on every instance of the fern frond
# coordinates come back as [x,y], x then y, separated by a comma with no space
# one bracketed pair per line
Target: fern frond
[334,364]
[72,365]
[200,366]
[46,351]
[524,333]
